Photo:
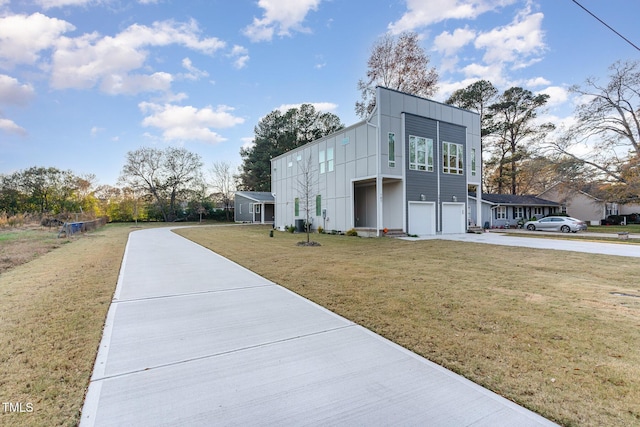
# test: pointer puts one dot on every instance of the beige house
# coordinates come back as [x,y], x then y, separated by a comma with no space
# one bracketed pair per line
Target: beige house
[584,206]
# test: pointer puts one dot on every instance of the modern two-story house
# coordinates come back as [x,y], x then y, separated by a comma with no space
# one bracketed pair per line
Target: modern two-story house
[409,166]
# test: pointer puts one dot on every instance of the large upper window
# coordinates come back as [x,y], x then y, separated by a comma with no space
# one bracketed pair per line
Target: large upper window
[420,153]
[452,158]
[473,162]
[325,160]
[321,161]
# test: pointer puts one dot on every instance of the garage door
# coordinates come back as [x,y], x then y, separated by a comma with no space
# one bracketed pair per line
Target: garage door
[422,218]
[453,218]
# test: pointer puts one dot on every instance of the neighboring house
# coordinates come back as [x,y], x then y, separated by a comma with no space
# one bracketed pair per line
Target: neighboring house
[506,210]
[409,166]
[254,207]
[586,207]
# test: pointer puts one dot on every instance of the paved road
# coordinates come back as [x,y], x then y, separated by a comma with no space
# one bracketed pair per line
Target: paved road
[193,339]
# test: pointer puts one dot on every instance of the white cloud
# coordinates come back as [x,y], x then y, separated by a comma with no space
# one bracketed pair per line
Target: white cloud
[84,61]
[50,4]
[326,107]
[96,130]
[247,142]
[240,55]
[280,17]
[422,13]
[9,126]
[131,84]
[23,38]
[514,43]
[194,73]
[187,123]
[537,81]
[14,93]
[449,43]
[557,95]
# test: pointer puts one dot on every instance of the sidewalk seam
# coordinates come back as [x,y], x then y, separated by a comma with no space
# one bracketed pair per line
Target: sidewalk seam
[223,353]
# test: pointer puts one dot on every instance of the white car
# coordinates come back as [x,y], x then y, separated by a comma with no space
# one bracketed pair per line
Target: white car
[556,223]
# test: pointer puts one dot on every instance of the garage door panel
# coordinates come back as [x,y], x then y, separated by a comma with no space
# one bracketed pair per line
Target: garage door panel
[422,219]
[453,218]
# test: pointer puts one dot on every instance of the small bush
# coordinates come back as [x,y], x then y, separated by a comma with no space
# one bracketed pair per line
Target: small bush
[351,232]
[290,228]
[320,230]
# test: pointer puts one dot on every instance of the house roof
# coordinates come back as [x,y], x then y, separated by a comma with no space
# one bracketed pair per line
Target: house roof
[516,200]
[257,196]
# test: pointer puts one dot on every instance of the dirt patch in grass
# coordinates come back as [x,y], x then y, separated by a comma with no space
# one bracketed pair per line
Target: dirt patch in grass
[52,311]
[19,246]
[542,329]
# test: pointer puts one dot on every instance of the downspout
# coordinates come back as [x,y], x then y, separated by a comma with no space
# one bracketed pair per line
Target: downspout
[405,222]
[378,179]
[378,166]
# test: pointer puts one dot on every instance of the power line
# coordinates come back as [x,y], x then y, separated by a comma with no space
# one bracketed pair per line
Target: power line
[606,25]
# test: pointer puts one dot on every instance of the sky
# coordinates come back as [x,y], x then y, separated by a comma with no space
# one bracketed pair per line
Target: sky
[82,82]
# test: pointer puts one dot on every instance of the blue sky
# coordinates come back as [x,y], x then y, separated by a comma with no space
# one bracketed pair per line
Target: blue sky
[84,81]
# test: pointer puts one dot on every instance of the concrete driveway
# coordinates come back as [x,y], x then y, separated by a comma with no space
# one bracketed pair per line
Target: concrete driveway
[529,240]
[192,339]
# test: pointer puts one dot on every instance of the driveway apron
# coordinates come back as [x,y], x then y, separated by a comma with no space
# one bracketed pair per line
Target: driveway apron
[192,339]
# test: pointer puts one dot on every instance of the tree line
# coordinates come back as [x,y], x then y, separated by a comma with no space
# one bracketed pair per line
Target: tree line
[521,153]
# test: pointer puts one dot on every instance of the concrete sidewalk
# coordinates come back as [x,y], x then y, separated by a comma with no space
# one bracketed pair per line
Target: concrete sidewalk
[193,339]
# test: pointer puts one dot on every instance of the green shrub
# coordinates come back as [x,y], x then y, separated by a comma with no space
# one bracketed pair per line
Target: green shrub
[352,232]
[290,228]
[320,230]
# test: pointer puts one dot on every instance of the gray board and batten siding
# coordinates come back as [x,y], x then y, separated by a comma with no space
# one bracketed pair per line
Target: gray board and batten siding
[434,186]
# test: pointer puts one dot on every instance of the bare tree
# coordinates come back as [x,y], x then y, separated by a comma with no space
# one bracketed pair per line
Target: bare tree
[307,189]
[607,130]
[163,174]
[223,184]
[396,63]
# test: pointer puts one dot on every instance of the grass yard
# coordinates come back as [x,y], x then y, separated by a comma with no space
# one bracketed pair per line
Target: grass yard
[557,334]
[52,311]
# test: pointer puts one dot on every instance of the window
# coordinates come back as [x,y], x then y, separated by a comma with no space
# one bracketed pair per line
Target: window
[420,153]
[256,209]
[473,162]
[392,150]
[537,211]
[318,205]
[296,207]
[501,212]
[321,161]
[452,158]
[518,212]
[612,209]
[330,159]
